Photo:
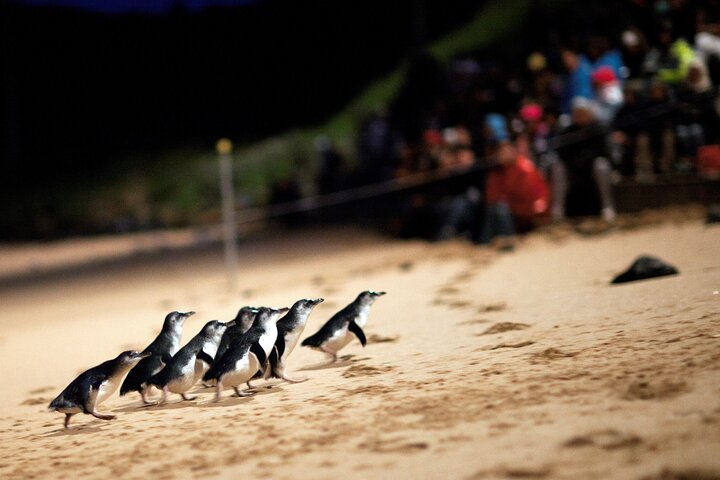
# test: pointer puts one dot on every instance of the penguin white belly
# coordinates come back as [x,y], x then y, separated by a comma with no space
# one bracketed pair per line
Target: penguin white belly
[362,317]
[185,381]
[211,347]
[200,369]
[244,370]
[267,342]
[107,388]
[291,340]
[338,340]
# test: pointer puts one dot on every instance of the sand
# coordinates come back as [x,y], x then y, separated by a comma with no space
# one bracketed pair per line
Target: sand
[478,364]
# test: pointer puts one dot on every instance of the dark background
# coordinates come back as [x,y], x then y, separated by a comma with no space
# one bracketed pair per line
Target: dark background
[81,89]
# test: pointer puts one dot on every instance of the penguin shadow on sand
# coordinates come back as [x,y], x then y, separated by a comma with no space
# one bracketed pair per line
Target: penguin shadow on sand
[343,361]
[226,402]
[84,429]
[170,404]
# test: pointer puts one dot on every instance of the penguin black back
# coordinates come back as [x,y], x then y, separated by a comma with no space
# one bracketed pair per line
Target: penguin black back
[192,350]
[352,317]
[237,348]
[161,351]
[243,322]
[289,327]
[94,385]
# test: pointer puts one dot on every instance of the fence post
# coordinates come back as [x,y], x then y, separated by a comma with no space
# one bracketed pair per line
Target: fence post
[224,149]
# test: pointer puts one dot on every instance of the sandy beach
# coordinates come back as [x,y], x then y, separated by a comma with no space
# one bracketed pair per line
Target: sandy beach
[478,364]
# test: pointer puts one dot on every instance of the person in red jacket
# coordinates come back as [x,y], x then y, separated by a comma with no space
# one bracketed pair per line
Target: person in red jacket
[516,196]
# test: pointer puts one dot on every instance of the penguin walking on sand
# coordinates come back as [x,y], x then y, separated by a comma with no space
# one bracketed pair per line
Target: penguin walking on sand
[190,363]
[94,386]
[242,323]
[161,350]
[247,354]
[344,326]
[290,327]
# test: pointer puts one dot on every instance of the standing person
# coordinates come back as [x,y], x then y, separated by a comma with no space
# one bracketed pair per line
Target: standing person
[578,82]
[608,94]
[583,153]
[516,196]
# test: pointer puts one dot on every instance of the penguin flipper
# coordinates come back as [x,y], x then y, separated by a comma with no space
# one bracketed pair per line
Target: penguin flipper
[355,328]
[91,401]
[259,353]
[279,347]
[205,357]
[311,341]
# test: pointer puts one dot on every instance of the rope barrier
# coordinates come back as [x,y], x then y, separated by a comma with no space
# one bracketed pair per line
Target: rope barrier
[316,202]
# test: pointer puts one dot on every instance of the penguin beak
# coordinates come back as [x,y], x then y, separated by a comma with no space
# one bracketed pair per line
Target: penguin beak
[231,323]
[188,314]
[317,301]
[378,294]
[142,355]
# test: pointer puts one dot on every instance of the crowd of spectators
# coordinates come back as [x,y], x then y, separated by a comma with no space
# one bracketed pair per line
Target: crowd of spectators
[549,135]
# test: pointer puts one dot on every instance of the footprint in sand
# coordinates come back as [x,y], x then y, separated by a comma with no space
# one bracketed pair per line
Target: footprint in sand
[504,327]
[375,338]
[448,290]
[405,266]
[552,354]
[513,472]
[512,345]
[393,445]
[689,474]
[605,439]
[36,401]
[653,390]
[492,307]
[476,321]
[366,370]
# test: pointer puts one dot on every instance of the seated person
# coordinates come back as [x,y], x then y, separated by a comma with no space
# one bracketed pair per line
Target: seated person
[516,196]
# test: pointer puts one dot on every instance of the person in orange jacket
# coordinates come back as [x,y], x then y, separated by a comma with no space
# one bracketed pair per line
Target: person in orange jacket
[516,196]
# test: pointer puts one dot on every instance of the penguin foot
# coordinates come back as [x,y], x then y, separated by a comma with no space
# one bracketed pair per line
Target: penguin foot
[187,398]
[242,394]
[293,380]
[66,423]
[103,416]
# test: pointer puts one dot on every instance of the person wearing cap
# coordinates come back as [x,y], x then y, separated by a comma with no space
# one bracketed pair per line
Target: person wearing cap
[532,141]
[608,94]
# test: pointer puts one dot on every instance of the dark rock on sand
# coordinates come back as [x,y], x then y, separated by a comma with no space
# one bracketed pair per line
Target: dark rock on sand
[645,267]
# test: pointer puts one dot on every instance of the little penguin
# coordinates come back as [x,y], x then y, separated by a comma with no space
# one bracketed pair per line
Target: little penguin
[246,354]
[161,350]
[290,327]
[189,364]
[343,326]
[94,386]
[242,323]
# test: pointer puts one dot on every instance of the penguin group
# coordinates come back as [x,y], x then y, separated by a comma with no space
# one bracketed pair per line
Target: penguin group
[256,344]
